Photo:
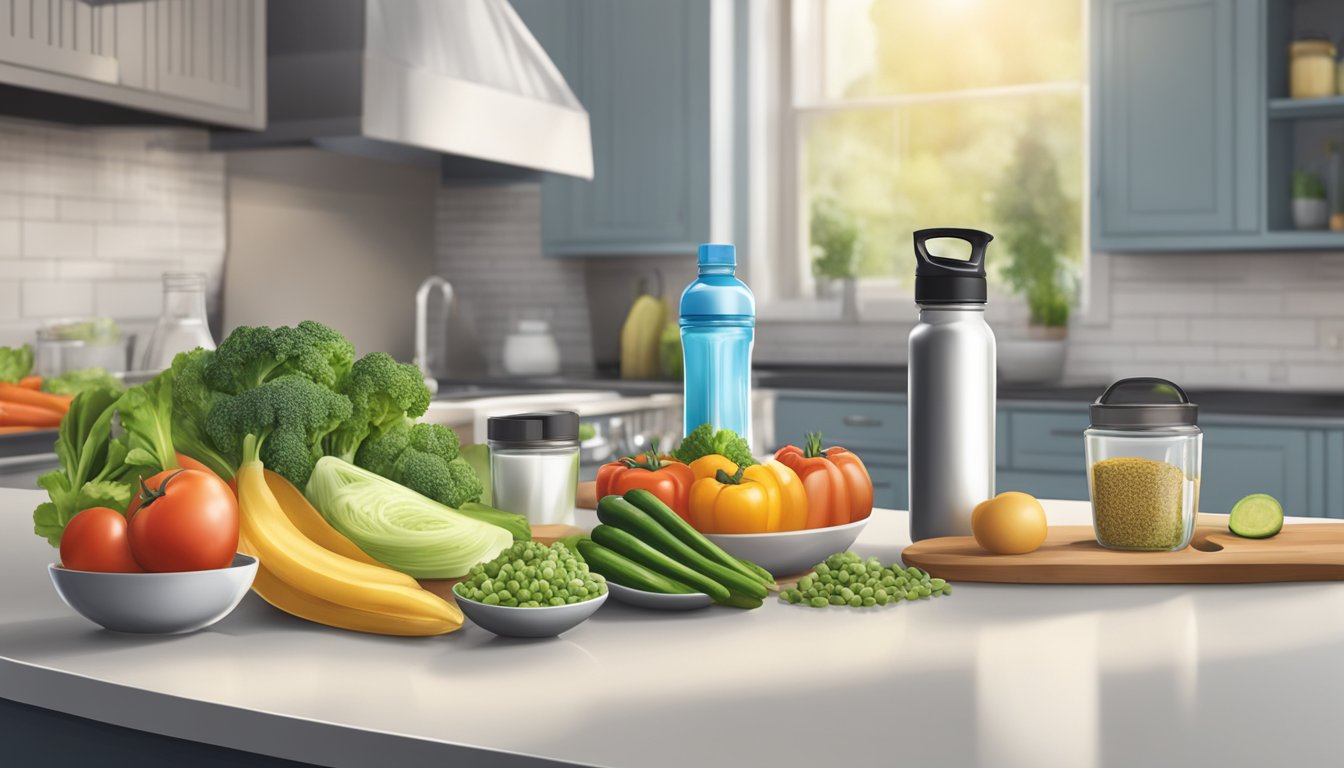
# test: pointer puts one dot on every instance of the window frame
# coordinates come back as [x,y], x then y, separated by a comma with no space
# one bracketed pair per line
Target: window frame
[782,196]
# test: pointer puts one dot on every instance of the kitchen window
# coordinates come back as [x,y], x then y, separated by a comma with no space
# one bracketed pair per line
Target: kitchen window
[903,114]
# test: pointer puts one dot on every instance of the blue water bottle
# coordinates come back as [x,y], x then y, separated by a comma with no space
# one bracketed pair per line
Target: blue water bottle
[718,325]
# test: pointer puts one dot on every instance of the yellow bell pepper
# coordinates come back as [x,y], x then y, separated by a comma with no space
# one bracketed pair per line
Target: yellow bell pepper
[763,498]
[710,464]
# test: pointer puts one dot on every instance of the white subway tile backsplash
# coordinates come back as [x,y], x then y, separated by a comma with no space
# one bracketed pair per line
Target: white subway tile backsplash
[1264,331]
[57,240]
[1131,300]
[90,218]
[57,298]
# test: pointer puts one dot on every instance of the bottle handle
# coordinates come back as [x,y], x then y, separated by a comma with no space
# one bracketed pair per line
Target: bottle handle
[978,240]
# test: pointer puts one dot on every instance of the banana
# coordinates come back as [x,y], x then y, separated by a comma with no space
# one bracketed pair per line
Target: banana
[308,568]
[311,523]
[639,338]
[315,609]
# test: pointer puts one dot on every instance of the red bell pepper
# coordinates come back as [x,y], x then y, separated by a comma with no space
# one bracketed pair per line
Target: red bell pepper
[839,489]
[663,476]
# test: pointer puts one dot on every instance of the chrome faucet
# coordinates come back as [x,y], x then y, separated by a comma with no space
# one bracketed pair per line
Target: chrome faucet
[422,324]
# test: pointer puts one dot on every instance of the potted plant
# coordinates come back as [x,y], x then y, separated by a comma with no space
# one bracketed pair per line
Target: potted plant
[1310,210]
[834,239]
[1037,229]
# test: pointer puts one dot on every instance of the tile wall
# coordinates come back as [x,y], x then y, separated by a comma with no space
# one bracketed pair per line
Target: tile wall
[91,217]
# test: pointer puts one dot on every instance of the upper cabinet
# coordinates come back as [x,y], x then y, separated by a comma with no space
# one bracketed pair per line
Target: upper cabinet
[642,70]
[1177,102]
[201,60]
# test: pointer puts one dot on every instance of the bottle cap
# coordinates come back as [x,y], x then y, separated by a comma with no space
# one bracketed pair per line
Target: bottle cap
[717,255]
[537,428]
[942,280]
[1143,402]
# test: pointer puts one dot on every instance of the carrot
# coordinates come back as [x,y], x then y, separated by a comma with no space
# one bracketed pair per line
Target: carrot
[15,430]
[13,393]
[21,415]
[31,382]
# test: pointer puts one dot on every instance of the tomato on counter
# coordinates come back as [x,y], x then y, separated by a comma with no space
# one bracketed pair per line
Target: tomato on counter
[183,520]
[839,490]
[663,476]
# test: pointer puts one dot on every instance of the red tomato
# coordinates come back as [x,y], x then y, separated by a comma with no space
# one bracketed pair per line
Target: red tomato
[95,540]
[186,521]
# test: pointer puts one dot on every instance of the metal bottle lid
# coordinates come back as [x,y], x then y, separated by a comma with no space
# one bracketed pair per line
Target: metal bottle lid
[539,428]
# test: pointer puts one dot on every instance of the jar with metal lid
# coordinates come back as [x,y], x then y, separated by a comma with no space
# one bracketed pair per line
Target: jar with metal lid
[1143,463]
[1311,68]
[534,465]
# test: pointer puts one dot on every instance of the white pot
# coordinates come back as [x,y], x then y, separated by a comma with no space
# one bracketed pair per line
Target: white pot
[1310,213]
[1032,361]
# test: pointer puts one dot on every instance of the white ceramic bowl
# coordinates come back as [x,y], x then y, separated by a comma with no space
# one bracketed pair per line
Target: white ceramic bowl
[789,552]
[656,601]
[156,603]
[546,621]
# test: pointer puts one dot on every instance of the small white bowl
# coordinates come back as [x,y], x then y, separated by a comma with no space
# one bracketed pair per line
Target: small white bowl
[155,603]
[787,553]
[544,621]
[657,601]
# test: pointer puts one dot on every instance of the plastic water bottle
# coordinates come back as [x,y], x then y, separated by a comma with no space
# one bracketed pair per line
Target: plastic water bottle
[718,326]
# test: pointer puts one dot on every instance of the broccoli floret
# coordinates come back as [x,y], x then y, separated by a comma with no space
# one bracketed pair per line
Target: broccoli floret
[704,441]
[424,458]
[382,393]
[192,401]
[380,452]
[252,356]
[74,382]
[281,423]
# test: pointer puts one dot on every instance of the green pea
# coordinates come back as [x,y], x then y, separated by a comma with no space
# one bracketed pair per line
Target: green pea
[869,602]
[819,602]
[856,601]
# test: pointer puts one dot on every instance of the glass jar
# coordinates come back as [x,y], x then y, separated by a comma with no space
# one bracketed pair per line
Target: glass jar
[1311,68]
[182,324]
[1143,462]
[534,465]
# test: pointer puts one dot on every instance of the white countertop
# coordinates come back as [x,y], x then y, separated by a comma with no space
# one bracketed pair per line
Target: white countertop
[995,675]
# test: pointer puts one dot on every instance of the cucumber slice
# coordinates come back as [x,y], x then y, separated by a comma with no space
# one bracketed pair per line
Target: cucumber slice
[1257,516]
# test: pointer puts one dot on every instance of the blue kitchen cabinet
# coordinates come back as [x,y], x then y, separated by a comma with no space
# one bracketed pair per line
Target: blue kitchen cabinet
[1178,116]
[1239,460]
[641,69]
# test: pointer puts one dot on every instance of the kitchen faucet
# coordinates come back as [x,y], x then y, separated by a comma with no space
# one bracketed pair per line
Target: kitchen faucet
[422,324]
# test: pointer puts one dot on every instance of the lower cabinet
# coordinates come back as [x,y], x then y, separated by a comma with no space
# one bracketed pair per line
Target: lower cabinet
[1040,451]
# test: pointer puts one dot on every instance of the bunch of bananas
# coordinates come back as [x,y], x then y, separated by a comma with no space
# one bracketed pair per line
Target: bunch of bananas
[310,570]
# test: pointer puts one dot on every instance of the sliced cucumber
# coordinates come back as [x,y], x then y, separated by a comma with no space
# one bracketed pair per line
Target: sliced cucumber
[1257,516]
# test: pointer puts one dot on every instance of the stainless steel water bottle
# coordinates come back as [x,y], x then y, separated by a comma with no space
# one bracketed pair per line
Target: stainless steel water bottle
[952,384]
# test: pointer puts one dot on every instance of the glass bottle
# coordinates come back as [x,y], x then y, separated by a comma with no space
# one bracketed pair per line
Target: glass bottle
[182,324]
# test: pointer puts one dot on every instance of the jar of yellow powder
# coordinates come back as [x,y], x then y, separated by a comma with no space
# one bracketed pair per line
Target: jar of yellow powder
[1143,457]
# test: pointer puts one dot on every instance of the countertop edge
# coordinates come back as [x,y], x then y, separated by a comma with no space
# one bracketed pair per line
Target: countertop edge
[261,732]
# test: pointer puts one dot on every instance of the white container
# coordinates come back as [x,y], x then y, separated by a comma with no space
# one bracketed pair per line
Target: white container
[534,465]
[531,350]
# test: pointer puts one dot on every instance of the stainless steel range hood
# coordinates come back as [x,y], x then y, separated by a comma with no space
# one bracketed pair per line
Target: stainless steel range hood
[462,82]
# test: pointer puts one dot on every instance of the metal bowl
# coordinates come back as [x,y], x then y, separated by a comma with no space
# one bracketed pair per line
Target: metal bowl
[545,621]
[155,603]
[790,552]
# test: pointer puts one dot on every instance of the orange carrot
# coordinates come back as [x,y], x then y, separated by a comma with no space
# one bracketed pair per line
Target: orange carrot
[13,393]
[13,430]
[31,382]
[21,415]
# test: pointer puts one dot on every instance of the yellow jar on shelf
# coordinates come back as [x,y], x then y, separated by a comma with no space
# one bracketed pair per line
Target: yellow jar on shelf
[1311,69]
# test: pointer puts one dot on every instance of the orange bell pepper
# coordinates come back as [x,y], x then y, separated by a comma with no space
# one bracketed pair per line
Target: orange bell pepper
[709,465]
[762,498]
[839,490]
[663,476]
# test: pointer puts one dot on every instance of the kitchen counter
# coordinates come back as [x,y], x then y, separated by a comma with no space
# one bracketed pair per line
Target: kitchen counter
[995,675]
[890,383]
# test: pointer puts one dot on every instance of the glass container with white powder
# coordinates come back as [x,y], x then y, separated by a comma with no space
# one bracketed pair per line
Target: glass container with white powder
[534,465]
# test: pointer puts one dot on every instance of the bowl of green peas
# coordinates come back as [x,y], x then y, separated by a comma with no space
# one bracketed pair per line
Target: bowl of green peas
[531,590]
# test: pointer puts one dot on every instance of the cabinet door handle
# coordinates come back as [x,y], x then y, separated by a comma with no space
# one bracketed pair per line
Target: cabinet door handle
[862,421]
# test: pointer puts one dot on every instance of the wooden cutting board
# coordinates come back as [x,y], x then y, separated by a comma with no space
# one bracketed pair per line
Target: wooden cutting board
[1071,555]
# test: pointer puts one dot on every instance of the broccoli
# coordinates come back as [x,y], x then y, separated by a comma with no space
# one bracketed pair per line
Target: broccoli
[250,356]
[383,393]
[424,458]
[15,363]
[281,422]
[704,441]
[192,401]
[74,382]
